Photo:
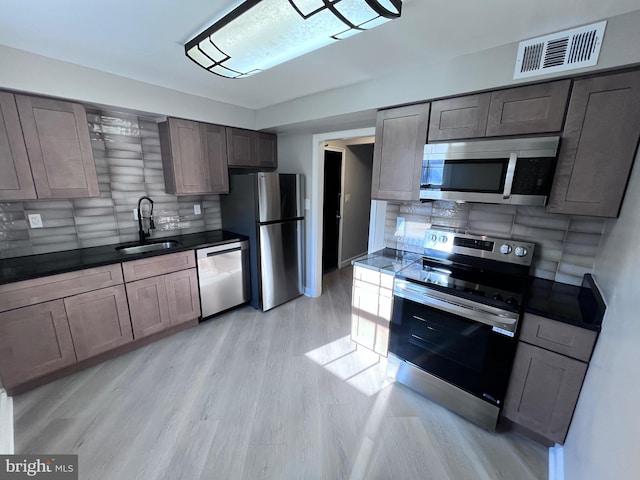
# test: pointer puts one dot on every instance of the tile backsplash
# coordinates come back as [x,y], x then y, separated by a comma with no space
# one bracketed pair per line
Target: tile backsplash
[566,245]
[126,149]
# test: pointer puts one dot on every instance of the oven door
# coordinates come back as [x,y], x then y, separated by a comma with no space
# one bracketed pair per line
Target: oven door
[473,355]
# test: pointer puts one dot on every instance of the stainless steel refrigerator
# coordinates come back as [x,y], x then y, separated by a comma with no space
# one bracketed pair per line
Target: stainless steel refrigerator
[269,209]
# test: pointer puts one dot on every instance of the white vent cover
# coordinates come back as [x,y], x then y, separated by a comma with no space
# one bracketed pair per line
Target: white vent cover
[557,52]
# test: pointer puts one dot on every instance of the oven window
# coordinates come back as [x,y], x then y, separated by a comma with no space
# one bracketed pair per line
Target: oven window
[463,352]
[485,176]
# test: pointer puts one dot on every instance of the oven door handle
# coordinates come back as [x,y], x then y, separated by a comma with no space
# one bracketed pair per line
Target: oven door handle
[494,317]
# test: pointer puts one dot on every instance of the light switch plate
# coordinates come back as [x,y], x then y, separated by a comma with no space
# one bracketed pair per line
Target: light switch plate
[135,213]
[307,204]
[35,220]
[196,210]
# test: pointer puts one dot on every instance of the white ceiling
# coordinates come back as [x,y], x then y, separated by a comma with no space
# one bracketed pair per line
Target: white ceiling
[143,40]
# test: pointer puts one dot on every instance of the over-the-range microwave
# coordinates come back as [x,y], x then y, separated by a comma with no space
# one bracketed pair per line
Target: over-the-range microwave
[517,171]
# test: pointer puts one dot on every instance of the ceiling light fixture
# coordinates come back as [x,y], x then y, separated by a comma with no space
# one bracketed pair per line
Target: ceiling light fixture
[260,34]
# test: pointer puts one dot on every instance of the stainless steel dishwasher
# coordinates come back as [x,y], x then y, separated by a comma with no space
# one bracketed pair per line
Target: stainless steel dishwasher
[223,276]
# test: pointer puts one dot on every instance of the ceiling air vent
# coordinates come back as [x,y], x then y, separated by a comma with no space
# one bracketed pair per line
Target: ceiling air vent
[557,52]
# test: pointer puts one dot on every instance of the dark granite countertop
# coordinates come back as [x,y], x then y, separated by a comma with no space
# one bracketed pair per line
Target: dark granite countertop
[581,306]
[33,266]
[387,260]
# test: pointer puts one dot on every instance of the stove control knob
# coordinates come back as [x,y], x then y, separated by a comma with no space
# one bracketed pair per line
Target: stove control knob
[444,239]
[521,252]
[505,249]
[433,238]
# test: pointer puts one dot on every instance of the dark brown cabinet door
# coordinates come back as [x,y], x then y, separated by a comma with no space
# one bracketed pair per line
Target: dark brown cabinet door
[34,341]
[266,147]
[241,148]
[194,157]
[56,135]
[543,391]
[214,155]
[531,109]
[148,306]
[99,321]
[16,182]
[460,117]
[182,296]
[598,147]
[398,150]
[181,156]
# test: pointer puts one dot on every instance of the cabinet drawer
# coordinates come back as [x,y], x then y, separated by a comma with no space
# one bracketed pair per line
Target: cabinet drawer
[152,266]
[558,337]
[37,290]
[366,275]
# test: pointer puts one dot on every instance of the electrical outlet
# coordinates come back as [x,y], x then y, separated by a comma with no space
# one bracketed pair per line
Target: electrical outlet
[35,220]
[196,210]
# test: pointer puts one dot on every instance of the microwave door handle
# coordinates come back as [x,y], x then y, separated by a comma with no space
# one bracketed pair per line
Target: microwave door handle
[511,170]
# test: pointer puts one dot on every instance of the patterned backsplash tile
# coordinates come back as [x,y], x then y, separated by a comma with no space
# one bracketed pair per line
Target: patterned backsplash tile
[566,246]
[126,149]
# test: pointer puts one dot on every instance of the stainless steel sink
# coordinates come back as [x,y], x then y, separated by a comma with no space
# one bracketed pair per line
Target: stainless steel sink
[148,247]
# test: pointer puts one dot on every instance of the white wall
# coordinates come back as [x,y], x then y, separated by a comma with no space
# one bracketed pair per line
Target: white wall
[28,72]
[482,70]
[603,439]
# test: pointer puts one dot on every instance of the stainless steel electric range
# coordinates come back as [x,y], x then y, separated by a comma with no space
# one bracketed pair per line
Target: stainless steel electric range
[455,321]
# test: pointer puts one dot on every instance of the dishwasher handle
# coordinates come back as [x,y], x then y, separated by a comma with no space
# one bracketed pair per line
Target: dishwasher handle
[223,252]
[202,253]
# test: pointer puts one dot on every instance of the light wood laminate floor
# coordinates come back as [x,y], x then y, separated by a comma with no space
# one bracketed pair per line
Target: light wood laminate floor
[248,395]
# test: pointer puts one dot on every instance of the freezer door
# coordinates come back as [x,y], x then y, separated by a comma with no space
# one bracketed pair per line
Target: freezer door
[280,196]
[281,262]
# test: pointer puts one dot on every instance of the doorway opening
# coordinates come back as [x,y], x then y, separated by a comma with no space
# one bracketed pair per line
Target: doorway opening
[332,208]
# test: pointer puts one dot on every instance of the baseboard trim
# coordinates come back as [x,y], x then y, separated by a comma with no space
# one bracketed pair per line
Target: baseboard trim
[6,423]
[347,262]
[556,462]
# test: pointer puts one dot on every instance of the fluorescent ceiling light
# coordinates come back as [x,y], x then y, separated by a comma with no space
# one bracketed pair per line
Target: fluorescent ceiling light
[260,34]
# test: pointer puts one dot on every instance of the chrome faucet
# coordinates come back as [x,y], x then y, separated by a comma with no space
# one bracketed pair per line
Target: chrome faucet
[141,233]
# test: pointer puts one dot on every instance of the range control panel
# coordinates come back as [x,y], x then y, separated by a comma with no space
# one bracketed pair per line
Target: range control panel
[482,246]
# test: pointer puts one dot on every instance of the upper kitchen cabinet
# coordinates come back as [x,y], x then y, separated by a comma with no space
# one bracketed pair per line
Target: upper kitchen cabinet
[599,144]
[250,149]
[460,117]
[397,155]
[45,150]
[514,111]
[194,157]
[16,181]
[56,135]
[532,109]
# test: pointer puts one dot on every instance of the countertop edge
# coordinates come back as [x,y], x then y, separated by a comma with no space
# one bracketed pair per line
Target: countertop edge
[116,256]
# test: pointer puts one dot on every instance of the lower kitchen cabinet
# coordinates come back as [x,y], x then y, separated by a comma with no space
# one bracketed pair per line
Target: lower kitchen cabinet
[99,321]
[65,322]
[182,296]
[544,391]
[157,303]
[34,341]
[547,375]
[148,306]
[371,307]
